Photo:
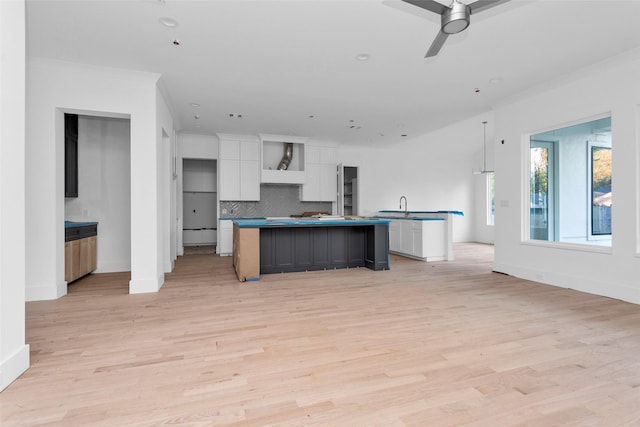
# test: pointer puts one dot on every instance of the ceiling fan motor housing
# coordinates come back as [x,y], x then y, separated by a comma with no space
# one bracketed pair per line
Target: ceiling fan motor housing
[456,18]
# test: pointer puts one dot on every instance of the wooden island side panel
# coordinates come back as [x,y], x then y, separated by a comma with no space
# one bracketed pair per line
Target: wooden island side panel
[246,253]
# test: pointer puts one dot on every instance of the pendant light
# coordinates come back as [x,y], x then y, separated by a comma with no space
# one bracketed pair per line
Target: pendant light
[484,153]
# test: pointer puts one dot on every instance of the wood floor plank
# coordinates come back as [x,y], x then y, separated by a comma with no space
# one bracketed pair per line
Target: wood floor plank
[439,344]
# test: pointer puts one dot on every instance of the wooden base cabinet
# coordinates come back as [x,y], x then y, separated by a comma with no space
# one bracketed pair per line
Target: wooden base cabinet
[81,257]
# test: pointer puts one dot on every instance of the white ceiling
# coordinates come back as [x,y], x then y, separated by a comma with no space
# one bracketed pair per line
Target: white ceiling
[279,62]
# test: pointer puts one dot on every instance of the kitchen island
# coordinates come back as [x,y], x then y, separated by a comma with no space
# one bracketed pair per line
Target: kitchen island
[423,235]
[300,244]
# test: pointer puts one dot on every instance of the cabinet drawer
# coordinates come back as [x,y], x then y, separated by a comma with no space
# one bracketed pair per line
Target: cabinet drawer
[75,233]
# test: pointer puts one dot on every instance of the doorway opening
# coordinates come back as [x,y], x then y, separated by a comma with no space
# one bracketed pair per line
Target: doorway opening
[102,195]
[199,205]
[347,190]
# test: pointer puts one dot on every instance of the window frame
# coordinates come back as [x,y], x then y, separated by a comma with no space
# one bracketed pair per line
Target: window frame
[590,145]
[552,190]
[525,201]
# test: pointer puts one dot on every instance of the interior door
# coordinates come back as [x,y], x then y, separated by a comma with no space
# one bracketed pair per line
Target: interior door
[340,189]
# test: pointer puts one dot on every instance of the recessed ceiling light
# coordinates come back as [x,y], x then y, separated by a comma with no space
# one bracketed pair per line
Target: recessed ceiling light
[168,22]
[363,57]
[194,104]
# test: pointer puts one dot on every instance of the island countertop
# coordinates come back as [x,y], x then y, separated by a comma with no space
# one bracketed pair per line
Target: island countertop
[302,222]
[408,218]
[395,211]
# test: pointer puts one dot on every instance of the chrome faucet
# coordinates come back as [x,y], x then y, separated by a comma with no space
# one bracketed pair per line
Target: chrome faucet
[405,204]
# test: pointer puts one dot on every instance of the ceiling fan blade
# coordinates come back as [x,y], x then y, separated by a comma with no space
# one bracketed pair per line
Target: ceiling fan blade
[437,44]
[480,5]
[430,5]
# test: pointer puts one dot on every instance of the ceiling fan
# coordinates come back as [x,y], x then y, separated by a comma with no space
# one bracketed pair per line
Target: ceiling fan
[454,18]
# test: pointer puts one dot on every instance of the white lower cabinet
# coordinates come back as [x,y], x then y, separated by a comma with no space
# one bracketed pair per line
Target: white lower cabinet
[394,236]
[225,238]
[406,237]
[421,239]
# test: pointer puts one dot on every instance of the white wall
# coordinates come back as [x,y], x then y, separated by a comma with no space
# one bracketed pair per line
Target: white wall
[104,188]
[14,353]
[483,160]
[166,184]
[434,172]
[607,87]
[54,87]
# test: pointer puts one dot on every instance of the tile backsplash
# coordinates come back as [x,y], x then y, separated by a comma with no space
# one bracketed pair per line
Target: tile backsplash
[275,200]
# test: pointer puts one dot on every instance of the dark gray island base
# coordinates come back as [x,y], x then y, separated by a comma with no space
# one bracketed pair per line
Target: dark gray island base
[306,245]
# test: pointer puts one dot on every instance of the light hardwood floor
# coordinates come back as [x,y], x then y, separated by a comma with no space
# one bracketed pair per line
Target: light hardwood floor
[424,344]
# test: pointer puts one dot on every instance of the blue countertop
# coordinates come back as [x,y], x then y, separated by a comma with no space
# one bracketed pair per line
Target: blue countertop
[228,218]
[424,212]
[409,218]
[299,222]
[74,224]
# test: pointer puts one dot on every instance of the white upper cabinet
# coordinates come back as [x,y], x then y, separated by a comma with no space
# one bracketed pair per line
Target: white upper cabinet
[229,148]
[199,175]
[283,159]
[239,168]
[321,177]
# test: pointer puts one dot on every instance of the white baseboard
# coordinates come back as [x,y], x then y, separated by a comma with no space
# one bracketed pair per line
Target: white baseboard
[43,293]
[141,286]
[113,266]
[14,366]
[582,284]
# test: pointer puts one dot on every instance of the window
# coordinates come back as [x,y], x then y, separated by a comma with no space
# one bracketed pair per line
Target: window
[542,190]
[600,190]
[491,200]
[570,188]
